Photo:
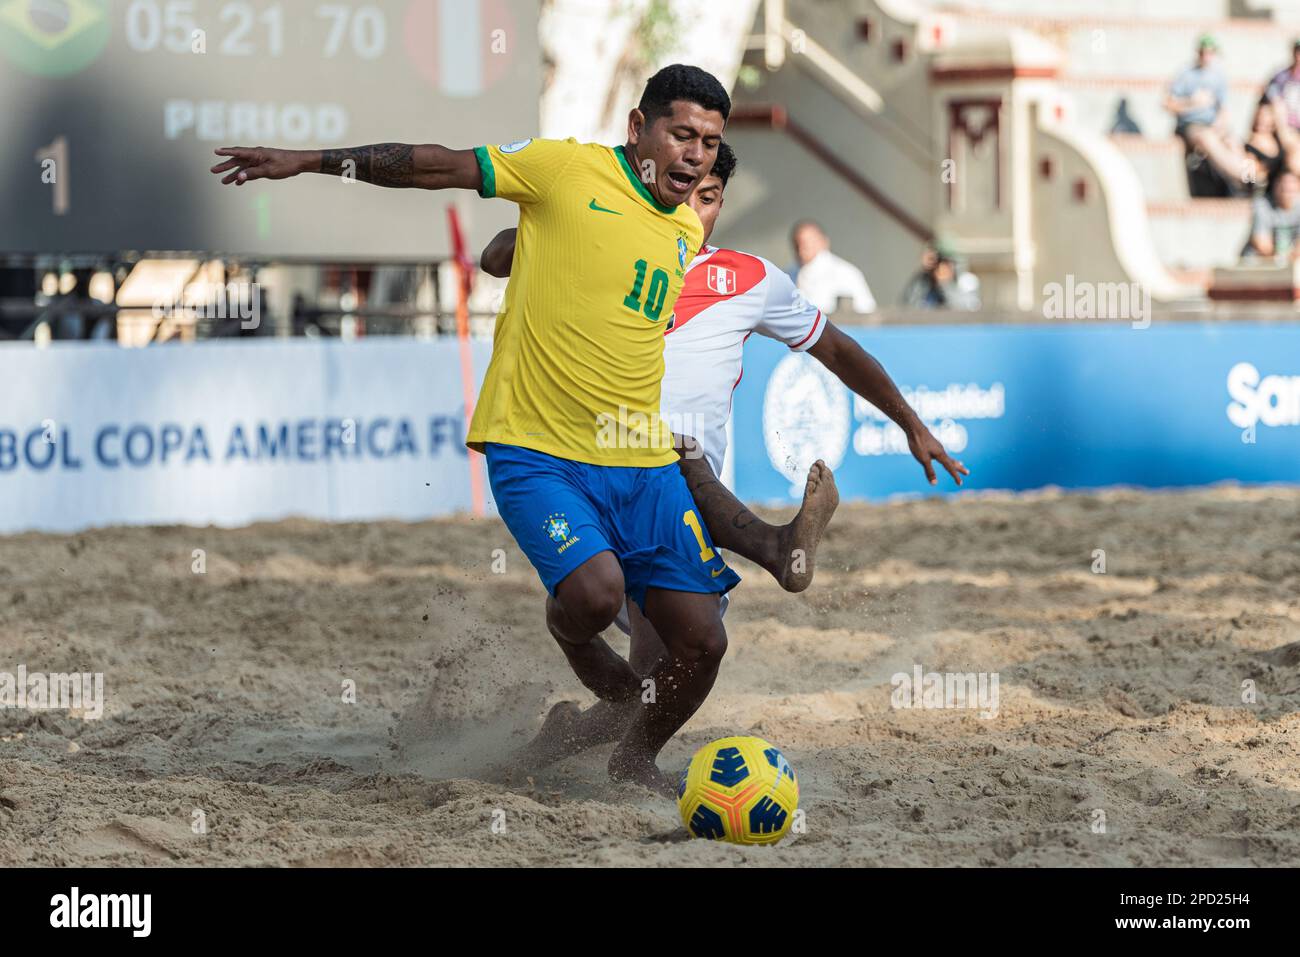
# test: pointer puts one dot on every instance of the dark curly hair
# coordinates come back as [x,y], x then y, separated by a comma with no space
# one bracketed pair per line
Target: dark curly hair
[682,82]
[725,165]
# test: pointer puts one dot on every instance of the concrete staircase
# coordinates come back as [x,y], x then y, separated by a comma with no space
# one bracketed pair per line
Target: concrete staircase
[1191,235]
[890,122]
[1110,54]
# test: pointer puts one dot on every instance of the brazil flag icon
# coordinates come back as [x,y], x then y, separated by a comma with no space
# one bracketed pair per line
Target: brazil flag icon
[53,37]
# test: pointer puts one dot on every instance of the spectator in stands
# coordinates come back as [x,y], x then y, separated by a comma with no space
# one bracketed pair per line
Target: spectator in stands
[942,283]
[1284,91]
[824,277]
[1124,122]
[1270,148]
[1276,223]
[1197,99]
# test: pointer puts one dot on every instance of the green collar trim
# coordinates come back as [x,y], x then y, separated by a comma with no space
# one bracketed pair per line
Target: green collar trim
[640,186]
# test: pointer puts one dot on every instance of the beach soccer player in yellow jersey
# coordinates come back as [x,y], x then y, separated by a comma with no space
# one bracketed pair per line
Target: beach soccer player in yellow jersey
[583,471]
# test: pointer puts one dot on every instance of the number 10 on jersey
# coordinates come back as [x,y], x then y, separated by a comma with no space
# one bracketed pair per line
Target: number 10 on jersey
[654,300]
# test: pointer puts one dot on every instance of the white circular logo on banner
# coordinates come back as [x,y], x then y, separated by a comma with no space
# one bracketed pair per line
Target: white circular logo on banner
[806,417]
[515,147]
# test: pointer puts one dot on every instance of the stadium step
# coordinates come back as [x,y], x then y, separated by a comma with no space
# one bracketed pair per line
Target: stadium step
[1109,59]
[1199,234]
[1095,103]
[1114,54]
[1108,46]
[1159,164]
[1089,56]
[1149,10]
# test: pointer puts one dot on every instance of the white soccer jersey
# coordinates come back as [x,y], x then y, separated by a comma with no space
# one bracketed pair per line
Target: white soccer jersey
[727,296]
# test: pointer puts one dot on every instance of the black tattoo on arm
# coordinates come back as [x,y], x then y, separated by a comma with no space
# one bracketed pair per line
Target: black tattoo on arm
[384,164]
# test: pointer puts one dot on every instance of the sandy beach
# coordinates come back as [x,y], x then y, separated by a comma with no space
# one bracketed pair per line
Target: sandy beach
[1147,715]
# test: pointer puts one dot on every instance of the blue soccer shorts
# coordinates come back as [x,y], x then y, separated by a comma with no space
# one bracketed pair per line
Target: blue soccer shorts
[562,513]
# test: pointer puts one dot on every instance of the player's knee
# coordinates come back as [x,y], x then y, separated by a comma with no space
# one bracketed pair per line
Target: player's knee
[599,607]
[705,643]
[590,604]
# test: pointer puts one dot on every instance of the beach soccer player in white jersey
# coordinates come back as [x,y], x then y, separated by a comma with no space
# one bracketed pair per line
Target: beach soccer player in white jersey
[727,296]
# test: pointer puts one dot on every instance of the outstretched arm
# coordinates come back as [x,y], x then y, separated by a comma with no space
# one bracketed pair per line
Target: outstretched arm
[399,165]
[860,371]
[499,255]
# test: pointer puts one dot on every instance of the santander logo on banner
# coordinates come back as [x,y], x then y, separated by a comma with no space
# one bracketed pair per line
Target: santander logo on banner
[1273,400]
[721,280]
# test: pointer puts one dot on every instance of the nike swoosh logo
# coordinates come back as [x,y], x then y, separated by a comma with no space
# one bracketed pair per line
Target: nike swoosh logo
[602,209]
[719,571]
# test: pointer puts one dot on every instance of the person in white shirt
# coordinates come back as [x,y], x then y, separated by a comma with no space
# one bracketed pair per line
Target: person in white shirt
[824,277]
[727,296]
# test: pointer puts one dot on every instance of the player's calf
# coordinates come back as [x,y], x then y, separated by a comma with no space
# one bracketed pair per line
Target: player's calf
[787,552]
[600,669]
[690,626]
[585,604]
[568,730]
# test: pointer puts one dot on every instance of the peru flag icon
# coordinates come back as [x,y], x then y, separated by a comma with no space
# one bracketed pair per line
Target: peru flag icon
[722,280]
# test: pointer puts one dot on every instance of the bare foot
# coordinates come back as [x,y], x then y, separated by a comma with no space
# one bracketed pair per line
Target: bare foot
[799,539]
[568,730]
[627,768]
[549,745]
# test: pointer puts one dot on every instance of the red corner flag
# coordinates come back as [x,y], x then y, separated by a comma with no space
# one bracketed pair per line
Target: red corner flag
[465,270]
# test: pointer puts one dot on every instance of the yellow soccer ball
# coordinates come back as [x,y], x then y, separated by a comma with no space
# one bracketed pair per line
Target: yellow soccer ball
[739,789]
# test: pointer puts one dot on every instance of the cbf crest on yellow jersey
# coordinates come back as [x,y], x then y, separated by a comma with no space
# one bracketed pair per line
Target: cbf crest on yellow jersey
[578,352]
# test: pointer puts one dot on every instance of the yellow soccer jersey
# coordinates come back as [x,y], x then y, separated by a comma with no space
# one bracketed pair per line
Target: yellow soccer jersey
[578,352]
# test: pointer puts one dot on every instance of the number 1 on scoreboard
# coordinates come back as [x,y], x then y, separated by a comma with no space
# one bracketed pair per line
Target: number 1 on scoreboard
[54,172]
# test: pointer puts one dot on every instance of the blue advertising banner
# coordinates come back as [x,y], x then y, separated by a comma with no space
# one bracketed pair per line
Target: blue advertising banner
[232,432]
[235,432]
[1077,406]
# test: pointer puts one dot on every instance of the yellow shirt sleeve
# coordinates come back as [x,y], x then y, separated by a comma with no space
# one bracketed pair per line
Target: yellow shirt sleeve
[524,172]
